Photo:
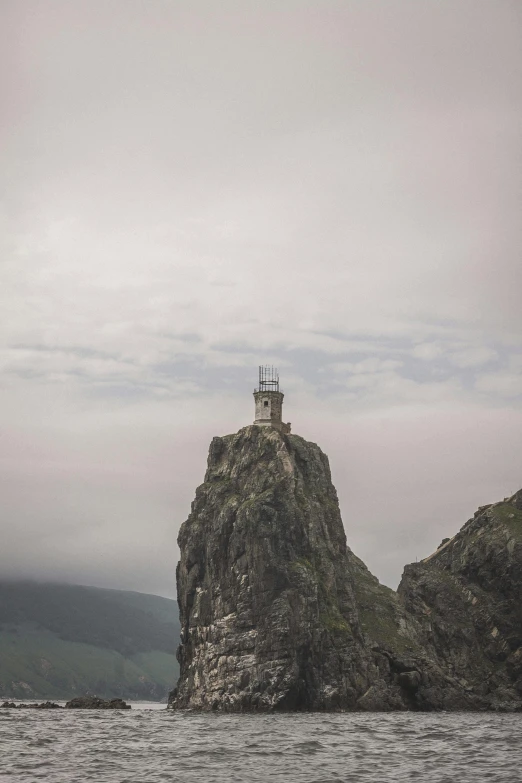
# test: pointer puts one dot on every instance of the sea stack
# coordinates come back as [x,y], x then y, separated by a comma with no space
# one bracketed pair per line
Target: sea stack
[267,608]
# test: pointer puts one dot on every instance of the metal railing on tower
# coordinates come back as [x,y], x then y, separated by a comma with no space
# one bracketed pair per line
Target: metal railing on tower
[268,378]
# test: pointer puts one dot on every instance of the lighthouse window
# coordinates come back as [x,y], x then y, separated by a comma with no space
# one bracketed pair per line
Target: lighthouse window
[266,403]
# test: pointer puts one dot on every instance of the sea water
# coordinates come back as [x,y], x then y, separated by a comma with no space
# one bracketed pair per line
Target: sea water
[148,744]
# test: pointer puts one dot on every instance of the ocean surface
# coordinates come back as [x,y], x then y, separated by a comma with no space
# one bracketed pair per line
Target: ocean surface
[149,744]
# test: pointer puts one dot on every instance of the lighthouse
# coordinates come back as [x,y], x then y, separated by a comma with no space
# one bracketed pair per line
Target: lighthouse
[269,400]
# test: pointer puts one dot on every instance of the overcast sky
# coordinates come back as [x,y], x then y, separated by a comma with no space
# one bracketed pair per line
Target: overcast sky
[192,188]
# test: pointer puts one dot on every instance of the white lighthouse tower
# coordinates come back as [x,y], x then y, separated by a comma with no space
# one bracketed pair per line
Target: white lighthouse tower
[269,400]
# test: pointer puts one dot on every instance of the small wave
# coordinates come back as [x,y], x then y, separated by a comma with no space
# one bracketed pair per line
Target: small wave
[309,746]
[41,742]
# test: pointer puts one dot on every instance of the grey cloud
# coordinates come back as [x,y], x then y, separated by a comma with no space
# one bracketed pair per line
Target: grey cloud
[191,189]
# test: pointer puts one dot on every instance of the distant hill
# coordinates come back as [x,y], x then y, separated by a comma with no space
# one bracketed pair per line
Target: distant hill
[58,641]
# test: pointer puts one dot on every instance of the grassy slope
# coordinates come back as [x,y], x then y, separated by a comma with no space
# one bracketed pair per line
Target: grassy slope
[57,641]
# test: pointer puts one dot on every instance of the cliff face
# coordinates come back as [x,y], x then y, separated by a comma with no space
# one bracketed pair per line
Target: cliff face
[467,596]
[268,614]
[276,611]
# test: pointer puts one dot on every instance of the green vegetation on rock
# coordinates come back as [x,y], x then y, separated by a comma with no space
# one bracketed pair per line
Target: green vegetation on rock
[510,516]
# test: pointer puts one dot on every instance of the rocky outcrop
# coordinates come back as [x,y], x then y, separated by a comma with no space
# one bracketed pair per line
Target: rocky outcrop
[78,703]
[276,611]
[467,597]
[268,615]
